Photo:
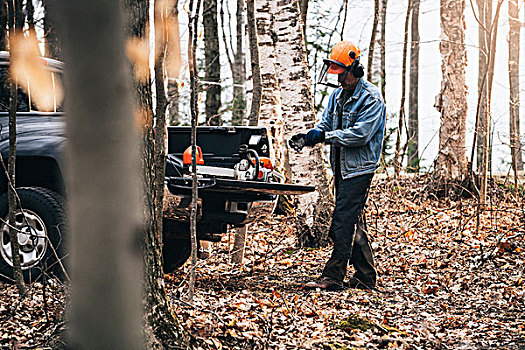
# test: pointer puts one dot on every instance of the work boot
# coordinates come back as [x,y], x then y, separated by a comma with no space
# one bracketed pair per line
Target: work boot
[357,283]
[324,283]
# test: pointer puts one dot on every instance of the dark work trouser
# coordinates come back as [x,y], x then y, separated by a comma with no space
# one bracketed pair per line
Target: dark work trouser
[351,244]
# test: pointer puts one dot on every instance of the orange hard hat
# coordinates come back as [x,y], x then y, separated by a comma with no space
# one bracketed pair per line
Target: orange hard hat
[342,56]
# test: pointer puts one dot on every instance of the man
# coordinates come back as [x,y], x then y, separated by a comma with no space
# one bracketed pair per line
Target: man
[353,125]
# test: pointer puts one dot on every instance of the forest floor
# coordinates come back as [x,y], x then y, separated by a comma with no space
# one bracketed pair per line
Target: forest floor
[448,279]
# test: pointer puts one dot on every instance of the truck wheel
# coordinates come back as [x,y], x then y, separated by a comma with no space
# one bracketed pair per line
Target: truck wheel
[40,220]
[175,252]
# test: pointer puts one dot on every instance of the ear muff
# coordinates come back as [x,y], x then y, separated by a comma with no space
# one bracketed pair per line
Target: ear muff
[356,68]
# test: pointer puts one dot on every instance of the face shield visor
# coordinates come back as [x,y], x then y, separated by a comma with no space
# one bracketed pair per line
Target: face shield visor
[330,72]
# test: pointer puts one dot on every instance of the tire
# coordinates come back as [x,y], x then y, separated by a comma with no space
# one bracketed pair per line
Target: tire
[42,218]
[175,252]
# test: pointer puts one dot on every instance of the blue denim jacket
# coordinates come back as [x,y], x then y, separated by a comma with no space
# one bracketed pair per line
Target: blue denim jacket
[361,138]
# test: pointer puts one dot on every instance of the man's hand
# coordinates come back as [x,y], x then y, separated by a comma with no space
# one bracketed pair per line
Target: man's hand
[297,142]
[314,137]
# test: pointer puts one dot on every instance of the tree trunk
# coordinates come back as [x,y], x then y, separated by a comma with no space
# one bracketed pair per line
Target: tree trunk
[303,6]
[298,114]
[15,31]
[485,18]
[486,156]
[174,64]
[514,87]
[212,63]
[239,70]
[173,104]
[452,101]
[253,118]
[398,158]
[161,329]
[30,14]
[270,111]
[194,109]
[413,94]
[372,45]
[382,46]
[103,188]
[3,25]
[240,234]
[53,47]
[239,243]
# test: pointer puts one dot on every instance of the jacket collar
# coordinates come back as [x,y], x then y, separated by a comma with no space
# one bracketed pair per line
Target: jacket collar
[357,91]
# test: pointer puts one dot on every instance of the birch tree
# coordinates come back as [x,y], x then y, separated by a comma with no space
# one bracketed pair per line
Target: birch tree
[452,101]
[270,115]
[299,115]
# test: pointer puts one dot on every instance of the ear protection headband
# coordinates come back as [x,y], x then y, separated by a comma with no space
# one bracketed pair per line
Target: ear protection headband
[356,68]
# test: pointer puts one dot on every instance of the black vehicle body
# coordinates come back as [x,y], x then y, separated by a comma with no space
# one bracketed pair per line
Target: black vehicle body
[41,143]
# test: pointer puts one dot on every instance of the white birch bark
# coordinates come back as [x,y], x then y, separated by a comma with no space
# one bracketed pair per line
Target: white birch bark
[270,115]
[298,112]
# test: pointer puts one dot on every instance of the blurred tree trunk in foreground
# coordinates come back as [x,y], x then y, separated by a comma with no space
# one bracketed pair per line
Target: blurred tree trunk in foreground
[104,190]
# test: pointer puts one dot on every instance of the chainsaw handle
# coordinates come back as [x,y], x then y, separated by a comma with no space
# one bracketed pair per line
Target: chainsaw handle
[257,165]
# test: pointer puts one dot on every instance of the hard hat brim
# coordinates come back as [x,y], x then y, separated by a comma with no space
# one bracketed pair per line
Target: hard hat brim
[335,67]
